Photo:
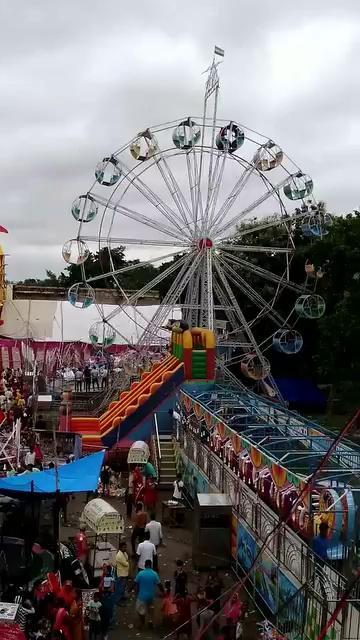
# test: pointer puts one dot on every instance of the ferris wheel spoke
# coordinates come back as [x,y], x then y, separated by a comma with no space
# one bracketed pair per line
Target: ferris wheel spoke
[136,241]
[230,294]
[207,297]
[218,230]
[173,295]
[192,300]
[168,213]
[150,285]
[133,267]
[228,310]
[139,217]
[216,182]
[121,335]
[195,191]
[233,195]
[253,295]
[253,248]
[174,188]
[265,273]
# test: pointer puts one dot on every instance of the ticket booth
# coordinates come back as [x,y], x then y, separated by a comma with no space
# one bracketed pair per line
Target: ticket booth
[212,531]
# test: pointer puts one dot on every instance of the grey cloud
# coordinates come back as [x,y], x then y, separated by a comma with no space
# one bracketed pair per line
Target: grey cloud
[78,79]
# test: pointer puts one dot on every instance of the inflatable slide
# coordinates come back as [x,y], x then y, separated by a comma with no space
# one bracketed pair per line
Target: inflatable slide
[132,406]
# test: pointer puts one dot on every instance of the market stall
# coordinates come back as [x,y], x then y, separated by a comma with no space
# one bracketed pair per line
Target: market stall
[139,453]
[102,519]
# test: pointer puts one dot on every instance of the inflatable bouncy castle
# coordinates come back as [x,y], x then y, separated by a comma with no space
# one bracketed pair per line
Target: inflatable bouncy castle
[196,348]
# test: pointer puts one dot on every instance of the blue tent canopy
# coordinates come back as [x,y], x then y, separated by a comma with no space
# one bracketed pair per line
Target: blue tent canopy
[78,476]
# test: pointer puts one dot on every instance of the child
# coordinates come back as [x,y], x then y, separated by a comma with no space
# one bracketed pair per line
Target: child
[93,610]
[168,608]
[107,580]
[183,603]
[232,609]
[180,579]
[201,602]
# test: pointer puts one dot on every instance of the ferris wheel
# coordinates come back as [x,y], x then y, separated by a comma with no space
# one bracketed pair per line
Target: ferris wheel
[207,199]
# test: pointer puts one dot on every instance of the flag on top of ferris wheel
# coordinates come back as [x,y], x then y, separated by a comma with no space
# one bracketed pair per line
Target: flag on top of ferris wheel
[212,82]
[219,52]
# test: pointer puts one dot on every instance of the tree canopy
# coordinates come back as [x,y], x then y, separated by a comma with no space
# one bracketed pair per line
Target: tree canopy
[331,344]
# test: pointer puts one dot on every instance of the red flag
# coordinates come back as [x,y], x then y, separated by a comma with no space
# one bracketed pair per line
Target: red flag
[3,230]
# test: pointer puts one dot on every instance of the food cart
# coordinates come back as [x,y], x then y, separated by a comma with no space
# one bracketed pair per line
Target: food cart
[139,453]
[101,518]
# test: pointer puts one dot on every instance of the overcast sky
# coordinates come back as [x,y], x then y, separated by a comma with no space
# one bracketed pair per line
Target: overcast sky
[79,78]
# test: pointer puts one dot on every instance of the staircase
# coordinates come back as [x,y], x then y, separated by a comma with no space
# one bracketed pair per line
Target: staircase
[167,463]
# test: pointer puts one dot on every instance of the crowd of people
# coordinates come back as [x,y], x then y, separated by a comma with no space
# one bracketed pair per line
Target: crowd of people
[135,579]
[15,396]
[87,378]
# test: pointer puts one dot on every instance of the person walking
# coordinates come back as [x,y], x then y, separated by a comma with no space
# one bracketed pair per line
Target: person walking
[140,521]
[129,496]
[183,603]
[155,530]
[146,551]
[76,618]
[146,582]
[122,565]
[213,587]
[181,579]
[105,480]
[178,488]
[93,614]
[320,544]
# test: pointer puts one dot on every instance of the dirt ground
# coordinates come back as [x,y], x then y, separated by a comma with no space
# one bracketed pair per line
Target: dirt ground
[177,545]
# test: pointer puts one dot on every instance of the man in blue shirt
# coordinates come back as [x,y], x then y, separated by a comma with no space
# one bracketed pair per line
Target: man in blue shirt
[147,581]
[320,544]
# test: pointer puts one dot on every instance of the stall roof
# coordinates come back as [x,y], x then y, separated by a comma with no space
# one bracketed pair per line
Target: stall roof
[76,477]
[102,518]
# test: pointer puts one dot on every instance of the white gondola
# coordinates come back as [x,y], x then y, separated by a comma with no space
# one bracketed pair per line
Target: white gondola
[102,334]
[75,251]
[144,146]
[108,172]
[186,135]
[84,208]
[81,295]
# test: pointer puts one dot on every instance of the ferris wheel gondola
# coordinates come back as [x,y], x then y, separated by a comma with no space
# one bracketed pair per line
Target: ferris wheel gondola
[195,193]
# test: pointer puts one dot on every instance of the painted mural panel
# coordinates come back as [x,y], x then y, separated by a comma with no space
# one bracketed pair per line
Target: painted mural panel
[246,547]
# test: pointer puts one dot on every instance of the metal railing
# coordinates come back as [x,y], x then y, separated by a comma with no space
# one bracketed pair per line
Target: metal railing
[157,436]
[155,450]
[315,591]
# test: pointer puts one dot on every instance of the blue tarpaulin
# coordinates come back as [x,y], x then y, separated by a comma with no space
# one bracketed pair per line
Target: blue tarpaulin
[78,476]
[301,392]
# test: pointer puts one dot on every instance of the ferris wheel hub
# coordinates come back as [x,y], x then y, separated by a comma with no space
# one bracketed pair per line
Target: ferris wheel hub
[205,243]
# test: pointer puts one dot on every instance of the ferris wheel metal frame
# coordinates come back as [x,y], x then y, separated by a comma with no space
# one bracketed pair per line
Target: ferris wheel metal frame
[208,265]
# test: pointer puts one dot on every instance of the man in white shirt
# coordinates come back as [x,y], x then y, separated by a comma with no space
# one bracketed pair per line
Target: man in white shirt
[178,488]
[155,530]
[146,551]
[30,457]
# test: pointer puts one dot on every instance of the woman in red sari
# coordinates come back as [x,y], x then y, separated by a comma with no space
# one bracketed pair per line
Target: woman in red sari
[62,620]
[138,484]
[150,493]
